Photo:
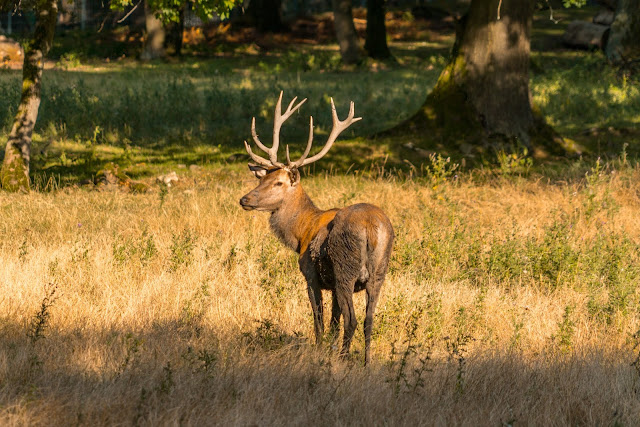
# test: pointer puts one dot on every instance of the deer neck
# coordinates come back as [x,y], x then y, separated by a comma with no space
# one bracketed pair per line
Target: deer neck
[294,220]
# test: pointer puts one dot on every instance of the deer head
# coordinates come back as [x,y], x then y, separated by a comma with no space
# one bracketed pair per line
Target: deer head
[279,181]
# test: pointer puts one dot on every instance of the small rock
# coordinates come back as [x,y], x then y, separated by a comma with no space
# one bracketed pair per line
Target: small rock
[138,187]
[604,17]
[110,175]
[182,166]
[194,168]
[585,35]
[168,178]
[420,151]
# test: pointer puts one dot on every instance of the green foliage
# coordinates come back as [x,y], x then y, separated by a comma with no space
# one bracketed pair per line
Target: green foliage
[598,198]
[39,323]
[182,246]
[566,330]
[162,194]
[574,3]
[202,360]
[23,251]
[268,336]
[142,249]
[69,60]
[404,378]
[457,347]
[516,337]
[278,271]
[40,320]
[132,346]
[194,309]
[169,10]
[515,162]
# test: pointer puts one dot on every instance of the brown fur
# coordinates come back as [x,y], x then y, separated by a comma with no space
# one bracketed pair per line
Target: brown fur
[341,250]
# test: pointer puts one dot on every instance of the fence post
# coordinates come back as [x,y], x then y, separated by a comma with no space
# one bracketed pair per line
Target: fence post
[8,23]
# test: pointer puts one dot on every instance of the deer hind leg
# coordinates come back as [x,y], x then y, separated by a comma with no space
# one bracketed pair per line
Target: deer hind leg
[334,324]
[345,301]
[373,293]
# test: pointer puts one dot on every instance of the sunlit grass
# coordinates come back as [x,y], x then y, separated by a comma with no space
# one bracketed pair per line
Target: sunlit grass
[504,294]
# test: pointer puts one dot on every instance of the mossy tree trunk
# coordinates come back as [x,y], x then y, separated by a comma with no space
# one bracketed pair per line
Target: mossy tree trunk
[155,35]
[14,175]
[482,97]
[175,32]
[376,40]
[346,32]
[624,39]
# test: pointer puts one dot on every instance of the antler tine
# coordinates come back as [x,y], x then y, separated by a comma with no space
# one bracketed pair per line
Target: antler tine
[300,161]
[256,158]
[338,128]
[279,119]
[255,136]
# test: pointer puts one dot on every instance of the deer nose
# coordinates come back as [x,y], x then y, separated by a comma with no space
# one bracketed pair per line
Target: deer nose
[244,201]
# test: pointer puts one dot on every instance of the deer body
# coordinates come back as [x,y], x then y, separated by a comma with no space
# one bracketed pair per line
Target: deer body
[340,250]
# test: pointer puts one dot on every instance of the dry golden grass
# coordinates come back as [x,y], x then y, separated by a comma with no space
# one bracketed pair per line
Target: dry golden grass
[508,300]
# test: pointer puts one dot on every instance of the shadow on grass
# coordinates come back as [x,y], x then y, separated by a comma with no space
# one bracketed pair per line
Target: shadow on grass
[175,372]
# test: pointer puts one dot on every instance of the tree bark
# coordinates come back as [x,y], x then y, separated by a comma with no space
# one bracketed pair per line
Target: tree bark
[624,39]
[346,32]
[155,36]
[376,41]
[482,97]
[175,31]
[14,175]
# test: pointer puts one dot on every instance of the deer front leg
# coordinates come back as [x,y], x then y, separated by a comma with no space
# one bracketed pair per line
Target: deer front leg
[315,295]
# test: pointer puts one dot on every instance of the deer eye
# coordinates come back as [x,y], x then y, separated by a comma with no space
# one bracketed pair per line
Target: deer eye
[277,184]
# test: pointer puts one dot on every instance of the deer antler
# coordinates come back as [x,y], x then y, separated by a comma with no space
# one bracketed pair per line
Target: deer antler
[338,128]
[278,120]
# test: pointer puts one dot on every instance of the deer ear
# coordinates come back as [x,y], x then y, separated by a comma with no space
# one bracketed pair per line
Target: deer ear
[294,174]
[258,171]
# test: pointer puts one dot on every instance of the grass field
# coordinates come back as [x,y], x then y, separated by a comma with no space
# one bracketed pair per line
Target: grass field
[512,293]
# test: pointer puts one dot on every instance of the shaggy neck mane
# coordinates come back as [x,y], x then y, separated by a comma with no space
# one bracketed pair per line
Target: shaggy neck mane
[294,219]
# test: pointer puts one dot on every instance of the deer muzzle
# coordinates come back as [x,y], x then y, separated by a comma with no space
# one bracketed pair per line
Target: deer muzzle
[246,203]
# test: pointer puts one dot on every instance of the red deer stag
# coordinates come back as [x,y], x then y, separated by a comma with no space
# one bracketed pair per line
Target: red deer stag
[341,250]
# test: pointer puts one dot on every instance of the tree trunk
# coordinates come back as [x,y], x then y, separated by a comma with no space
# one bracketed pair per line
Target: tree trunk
[265,15]
[376,42]
[14,175]
[346,32]
[624,39]
[155,35]
[482,98]
[175,31]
